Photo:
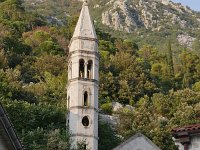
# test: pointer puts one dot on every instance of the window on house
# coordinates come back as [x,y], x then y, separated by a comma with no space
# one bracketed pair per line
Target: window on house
[89,69]
[85,99]
[81,68]
[85,121]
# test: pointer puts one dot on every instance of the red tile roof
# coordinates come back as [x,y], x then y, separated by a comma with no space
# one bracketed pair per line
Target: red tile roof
[190,128]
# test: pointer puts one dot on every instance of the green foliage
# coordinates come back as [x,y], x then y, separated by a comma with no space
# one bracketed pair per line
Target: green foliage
[37,124]
[81,145]
[37,115]
[190,63]
[42,42]
[56,140]
[160,81]
[107,108]
[34,139]
[196,86]
[156,116]
[108,138]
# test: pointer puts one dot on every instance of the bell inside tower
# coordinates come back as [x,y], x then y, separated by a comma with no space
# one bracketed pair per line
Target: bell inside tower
[89,69]
[81,68]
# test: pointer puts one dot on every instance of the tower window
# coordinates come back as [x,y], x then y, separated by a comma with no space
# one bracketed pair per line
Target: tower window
[81,68]
[85,103]
[85,121]
[89,69]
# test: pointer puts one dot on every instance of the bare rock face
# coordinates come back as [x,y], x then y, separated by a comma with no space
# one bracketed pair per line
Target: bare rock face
[106,18]
[122,16]
[112,120]
[185,39]
[129,15]
[165,2]
[116,106]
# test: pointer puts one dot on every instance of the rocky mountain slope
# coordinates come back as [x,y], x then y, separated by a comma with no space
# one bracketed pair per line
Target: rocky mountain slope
[153,15]
[127,16]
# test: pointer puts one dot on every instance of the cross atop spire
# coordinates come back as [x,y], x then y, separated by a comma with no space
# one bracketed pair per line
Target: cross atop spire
[85,27]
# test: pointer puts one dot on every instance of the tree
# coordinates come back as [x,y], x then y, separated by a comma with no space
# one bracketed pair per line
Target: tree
[57,141]
[170,60]
[108,138]
[3,59]
[189,62]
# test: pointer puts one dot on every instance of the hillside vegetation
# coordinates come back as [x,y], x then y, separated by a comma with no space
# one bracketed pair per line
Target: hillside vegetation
[160,80]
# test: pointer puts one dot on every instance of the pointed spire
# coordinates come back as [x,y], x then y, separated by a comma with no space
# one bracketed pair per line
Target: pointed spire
[85,27]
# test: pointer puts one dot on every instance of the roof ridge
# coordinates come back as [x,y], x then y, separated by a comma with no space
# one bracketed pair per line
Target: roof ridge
[9,129]
[134,137]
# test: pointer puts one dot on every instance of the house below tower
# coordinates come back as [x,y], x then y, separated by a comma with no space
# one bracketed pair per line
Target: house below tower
[137,142]
[187,137]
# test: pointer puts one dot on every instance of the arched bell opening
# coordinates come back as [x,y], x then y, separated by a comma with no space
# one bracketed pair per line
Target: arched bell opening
[81,68]
[89,69]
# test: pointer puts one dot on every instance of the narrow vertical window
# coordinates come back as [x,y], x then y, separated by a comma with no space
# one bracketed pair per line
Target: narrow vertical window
[85,103]
[81,68]
[89,69]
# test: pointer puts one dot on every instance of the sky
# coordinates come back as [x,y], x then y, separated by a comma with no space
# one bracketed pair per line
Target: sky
[193,4]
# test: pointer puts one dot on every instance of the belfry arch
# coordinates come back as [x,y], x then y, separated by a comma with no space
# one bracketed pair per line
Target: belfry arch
[89,69]
[81,68]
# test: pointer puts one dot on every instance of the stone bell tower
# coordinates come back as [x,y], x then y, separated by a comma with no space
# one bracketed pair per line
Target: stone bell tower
[83,79]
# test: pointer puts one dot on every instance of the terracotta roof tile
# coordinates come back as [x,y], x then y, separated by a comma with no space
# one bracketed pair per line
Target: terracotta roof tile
[189,128]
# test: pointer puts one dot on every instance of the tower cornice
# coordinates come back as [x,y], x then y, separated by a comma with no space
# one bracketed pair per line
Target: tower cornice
[83,38]
[84,135]
[83,108]
[82,52]
[84,80]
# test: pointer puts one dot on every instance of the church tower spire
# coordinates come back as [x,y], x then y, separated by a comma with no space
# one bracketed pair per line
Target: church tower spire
[83,80]
[85,27]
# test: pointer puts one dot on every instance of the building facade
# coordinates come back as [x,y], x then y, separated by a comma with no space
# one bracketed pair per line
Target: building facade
[187,137]
[83,80]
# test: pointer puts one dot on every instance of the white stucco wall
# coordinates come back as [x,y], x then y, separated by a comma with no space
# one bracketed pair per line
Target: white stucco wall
[86,50]
[195,143]
[83,46]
